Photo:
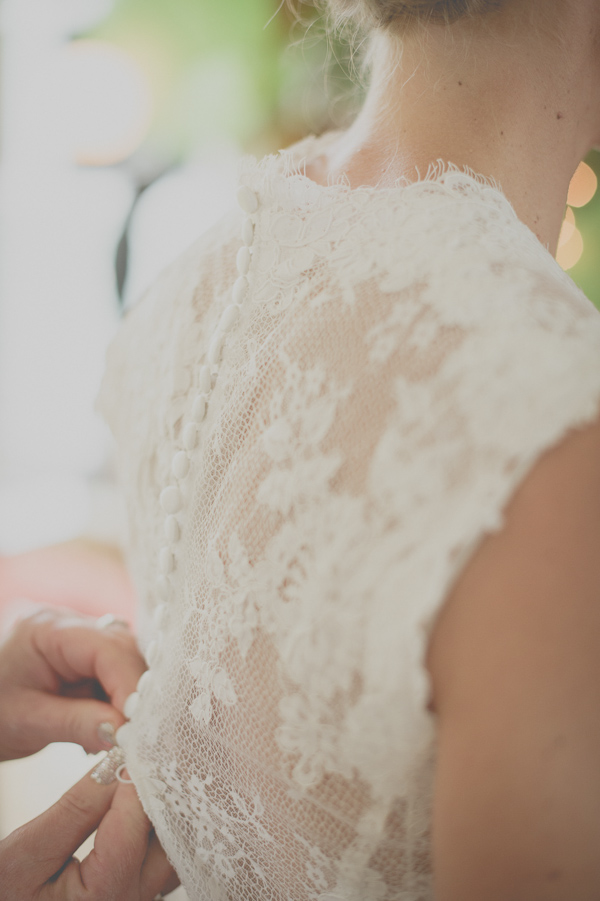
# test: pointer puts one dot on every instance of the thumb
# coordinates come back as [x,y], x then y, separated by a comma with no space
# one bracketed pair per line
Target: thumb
[42,847]
[74,720]
[121,844]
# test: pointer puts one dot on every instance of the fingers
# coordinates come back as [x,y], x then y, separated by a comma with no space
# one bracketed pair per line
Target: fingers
[148,860]
[38,850]
[49,718]
[120,849]
[127,862]
[157,873]
[76,650]
[55,654]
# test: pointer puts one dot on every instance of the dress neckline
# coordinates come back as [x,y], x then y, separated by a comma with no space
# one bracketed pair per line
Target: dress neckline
[282,177]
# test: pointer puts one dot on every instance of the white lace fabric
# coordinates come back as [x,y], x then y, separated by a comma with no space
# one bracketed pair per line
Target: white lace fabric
[401,360]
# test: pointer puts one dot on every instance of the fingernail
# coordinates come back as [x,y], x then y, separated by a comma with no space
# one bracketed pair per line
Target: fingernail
[108,620]
[106,771]
[106,734]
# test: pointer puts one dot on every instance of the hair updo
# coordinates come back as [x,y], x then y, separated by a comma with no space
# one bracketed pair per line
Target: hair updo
[398,14]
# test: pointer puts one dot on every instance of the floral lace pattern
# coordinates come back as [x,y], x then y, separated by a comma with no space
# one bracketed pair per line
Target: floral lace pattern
[403,358]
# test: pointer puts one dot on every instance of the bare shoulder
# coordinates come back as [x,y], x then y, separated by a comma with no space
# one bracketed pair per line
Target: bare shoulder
[515,667]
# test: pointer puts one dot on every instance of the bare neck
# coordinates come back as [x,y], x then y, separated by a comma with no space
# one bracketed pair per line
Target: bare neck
[522,107]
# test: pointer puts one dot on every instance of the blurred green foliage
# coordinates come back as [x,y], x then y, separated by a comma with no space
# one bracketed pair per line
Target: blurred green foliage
[234,68]
[587,218]
[212,66]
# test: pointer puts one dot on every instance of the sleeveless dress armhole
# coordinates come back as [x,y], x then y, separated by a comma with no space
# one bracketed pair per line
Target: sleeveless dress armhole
[553,389]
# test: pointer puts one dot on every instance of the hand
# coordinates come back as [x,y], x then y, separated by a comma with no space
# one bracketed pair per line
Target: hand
[60,679]
[126,864]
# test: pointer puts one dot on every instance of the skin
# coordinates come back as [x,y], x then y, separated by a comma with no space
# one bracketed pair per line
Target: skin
[514,656]
[127,862]
[522,86]
[60,678]
[515,667]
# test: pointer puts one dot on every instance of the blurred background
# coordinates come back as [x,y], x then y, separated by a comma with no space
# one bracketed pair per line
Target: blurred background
[121,126]
[122,123]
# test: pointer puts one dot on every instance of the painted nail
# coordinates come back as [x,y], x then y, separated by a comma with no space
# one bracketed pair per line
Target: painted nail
[106,734]
[108,620]
[106,771]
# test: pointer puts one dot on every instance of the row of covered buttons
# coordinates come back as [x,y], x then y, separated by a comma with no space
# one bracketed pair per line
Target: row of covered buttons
[171,498]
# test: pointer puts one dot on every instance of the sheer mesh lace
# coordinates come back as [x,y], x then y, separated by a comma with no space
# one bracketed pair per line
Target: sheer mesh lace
[399,361]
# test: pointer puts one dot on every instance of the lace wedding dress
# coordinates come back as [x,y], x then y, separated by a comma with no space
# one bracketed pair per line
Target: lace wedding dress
[320,411]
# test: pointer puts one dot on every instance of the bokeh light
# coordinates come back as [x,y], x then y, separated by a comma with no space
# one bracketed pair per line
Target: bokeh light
[584,185]
[108,102]
[568,227]
[570,247]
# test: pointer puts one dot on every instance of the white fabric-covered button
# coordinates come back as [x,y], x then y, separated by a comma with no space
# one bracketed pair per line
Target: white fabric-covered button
[247,199]
[243,260]
[229,317]
[205,380]
[190,436]
[144,680]
[166,560]
[159,617]
[164,587]
[170,499]
[199,408]
[215,348]
[248,232]
[240,289]
[172,530]
[122,734]
[130,705]
[151,653]
[180,465]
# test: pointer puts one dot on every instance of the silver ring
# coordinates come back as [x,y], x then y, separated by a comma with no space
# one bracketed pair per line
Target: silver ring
[106,771]
[108,620]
